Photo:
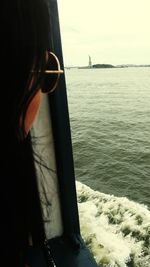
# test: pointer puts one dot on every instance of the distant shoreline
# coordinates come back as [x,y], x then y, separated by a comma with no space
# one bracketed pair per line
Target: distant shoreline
[104,66]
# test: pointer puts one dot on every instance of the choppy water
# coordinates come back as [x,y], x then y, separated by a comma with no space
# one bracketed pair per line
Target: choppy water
[115,229]
[110,122]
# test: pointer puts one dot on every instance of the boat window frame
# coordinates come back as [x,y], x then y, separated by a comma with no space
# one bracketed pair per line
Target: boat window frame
[70,246]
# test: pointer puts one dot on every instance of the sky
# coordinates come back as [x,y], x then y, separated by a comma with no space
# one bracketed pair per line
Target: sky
[110,31]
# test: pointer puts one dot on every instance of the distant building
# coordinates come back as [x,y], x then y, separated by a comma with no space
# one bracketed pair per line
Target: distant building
[90,62]
[89,66]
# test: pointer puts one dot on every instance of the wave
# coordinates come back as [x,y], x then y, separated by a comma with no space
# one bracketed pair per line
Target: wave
[115,229]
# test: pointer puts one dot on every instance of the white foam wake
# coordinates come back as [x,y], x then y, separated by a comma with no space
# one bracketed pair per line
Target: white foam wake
[116,230]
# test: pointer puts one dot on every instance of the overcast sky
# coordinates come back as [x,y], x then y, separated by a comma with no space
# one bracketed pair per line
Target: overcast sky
[110,31]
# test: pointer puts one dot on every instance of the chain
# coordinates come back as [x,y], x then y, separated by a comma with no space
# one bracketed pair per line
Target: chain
[51,262]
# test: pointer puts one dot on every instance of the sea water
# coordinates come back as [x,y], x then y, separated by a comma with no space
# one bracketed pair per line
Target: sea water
[115,229]
[110,127]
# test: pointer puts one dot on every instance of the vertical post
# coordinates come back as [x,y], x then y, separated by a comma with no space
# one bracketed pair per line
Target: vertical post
[62,136]
[68,250]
